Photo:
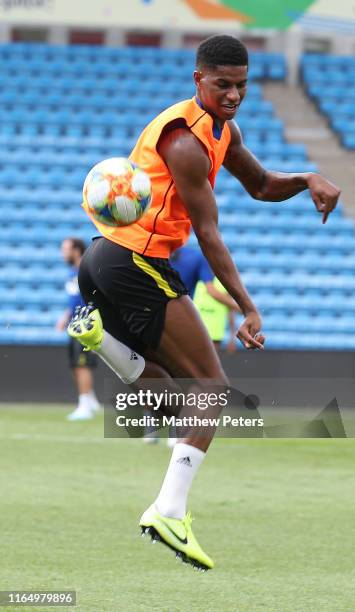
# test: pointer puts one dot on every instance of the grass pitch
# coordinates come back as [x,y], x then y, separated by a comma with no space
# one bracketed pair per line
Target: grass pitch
[277,516]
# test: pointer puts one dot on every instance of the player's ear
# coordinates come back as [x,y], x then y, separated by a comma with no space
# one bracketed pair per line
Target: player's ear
[197,76]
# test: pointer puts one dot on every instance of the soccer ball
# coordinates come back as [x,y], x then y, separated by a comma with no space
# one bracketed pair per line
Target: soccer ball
[117,192]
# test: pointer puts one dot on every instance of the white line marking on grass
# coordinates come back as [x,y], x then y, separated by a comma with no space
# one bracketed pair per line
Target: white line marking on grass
[45,438]
[80,439]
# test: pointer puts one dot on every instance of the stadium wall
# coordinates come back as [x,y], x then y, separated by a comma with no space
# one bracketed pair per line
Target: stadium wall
[192,15]
[291,27]
[38,374]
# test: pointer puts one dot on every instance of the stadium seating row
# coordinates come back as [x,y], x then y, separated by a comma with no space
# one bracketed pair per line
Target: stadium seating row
[101,127]
[343,94]
[254,138]
[67,159]
[126,55]
[330,302]
[41,199]
[106,98]
[336,77]
[302,324]
[263,65]
[279,322]
[311,299]
[74,152]
[301,236]
[49,215]
[88,112]
[169,72]
[263,261]
[273,242]
[73,176]
[35,221]
[325,60]
[46,89]
[257,255]
[297,340]
[296,284]
[86,79]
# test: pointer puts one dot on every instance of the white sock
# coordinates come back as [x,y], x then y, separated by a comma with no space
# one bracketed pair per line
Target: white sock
[127,364]
[84,401]
[184,463]
[94,402]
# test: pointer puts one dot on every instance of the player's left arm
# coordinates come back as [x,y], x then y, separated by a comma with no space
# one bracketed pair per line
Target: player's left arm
[272,186]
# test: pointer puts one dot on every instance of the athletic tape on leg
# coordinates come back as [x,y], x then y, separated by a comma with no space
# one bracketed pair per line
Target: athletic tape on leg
[127,364]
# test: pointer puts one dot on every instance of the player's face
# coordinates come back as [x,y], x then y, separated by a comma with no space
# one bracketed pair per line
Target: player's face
[222,89]
[68,252]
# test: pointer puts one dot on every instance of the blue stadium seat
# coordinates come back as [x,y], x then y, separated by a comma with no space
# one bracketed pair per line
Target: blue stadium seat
[337,75]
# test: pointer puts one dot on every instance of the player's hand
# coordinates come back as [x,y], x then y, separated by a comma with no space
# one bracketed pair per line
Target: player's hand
[248,332]
[324,194]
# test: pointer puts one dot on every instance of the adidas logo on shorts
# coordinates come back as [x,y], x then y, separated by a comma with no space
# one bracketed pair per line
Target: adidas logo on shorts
[185,461]
[134,356]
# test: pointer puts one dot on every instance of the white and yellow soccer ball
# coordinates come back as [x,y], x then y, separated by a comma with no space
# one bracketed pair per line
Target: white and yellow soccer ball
[117,192]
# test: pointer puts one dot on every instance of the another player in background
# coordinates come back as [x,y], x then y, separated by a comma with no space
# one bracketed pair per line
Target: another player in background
[216,311]
[80,361]
[211,299]
[150,327]
[192,267]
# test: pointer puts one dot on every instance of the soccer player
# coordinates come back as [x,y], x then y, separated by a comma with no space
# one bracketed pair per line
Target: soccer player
[143,324]
[80,361]
[211,299]
[215,308]
[192,267]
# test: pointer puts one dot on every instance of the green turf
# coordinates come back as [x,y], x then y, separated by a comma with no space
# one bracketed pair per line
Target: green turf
[277,516]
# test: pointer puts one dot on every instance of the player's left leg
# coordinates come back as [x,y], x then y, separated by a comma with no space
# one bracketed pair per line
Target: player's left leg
[87,327]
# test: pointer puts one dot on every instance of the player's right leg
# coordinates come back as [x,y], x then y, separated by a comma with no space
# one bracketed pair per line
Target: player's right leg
[186,351]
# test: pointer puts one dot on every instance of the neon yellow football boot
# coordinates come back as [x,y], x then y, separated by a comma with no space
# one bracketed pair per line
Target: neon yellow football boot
[177,534]
[86,327]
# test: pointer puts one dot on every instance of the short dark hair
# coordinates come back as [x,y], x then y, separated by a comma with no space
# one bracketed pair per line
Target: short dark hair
[221,50]
[77,244]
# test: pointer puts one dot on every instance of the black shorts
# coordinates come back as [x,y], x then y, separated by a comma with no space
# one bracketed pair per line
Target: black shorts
[130,290]
[78,358]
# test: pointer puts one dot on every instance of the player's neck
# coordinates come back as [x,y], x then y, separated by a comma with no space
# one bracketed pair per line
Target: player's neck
[218,122]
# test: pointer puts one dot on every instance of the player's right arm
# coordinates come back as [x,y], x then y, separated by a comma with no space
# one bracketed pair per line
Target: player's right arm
[189,166]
